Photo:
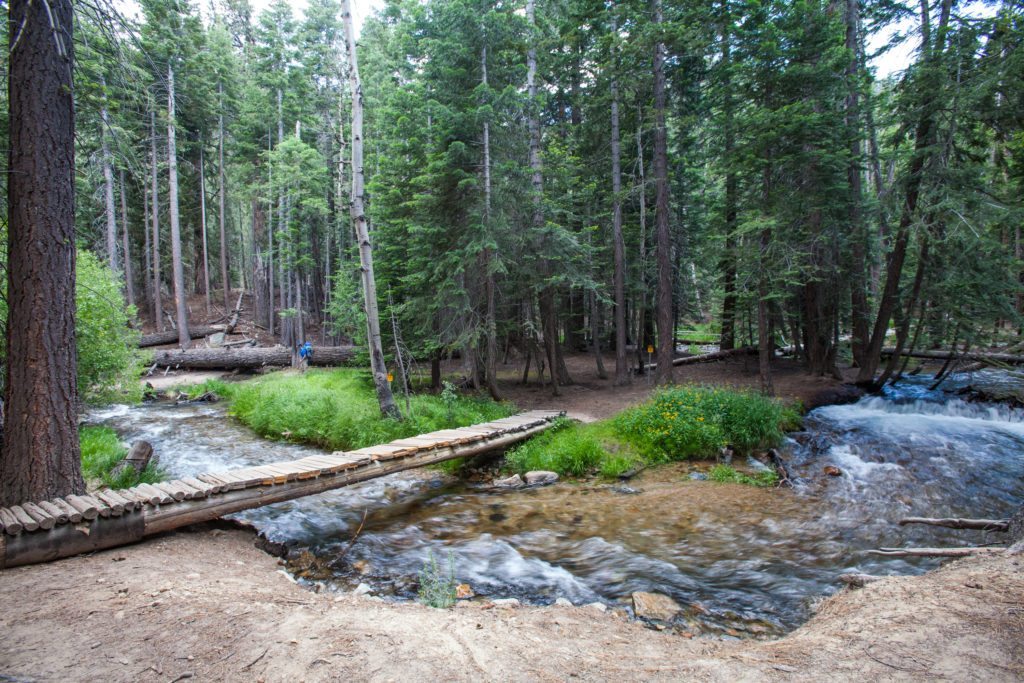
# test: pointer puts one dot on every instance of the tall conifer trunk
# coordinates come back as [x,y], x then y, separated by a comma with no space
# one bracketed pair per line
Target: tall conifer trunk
[222,198]
[490,315]
[388,408]
[129,279]
[158,313]
[40,456]
[619,245]
[180,294]
[666,331]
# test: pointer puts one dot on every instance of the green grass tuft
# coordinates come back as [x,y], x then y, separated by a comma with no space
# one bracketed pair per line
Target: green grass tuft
[437,588]
[101,453]
[727,475]
[337,409]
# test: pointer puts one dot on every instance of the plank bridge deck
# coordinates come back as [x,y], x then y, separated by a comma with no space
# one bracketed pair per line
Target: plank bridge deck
[48,530]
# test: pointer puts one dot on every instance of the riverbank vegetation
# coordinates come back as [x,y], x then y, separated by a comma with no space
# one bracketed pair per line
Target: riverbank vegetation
[679,423]
[338,409]
[102,452]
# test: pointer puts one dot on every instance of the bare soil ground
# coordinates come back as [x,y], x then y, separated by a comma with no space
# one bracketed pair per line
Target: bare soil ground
[206,603]
[591,398]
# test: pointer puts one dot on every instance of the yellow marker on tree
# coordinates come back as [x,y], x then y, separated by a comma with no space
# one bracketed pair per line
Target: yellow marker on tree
[391,378]
[650,349]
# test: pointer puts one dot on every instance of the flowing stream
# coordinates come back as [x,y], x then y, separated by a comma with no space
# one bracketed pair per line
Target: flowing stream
[741,560]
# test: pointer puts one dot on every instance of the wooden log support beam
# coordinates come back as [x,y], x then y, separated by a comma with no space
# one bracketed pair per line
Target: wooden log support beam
[248,358]
[100,521]
[960,523]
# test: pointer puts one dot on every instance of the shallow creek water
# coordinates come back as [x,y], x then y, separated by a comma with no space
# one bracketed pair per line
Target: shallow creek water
[741,559]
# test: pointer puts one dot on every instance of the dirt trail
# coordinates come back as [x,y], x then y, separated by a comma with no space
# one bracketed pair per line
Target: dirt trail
[206,602]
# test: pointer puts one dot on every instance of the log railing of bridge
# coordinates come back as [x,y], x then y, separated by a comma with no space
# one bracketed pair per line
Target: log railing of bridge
[48,530]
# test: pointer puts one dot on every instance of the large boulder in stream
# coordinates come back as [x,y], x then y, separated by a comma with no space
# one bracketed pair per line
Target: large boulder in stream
[513,482]
[655,606]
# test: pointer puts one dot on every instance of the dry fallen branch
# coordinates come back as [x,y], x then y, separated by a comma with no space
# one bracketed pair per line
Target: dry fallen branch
[960,523]
[936,552]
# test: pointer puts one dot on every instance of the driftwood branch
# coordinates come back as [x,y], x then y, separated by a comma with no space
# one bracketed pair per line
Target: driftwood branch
[960,523]
[936,552]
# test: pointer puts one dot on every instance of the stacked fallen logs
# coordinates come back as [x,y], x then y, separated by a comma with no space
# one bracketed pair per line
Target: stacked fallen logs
[171,336]
[708,357]
[978,356]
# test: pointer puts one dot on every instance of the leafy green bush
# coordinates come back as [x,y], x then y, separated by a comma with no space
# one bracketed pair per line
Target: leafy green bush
[694,422]
[101,453]
[437,589]
[727,475]
[109,360]
[337,409]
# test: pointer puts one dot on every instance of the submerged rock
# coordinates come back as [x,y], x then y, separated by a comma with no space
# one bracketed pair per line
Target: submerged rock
[562,602]
[513,482]
[464,592]
[541,477]
[833,471]
[655,606]
[362,589]
[698,476]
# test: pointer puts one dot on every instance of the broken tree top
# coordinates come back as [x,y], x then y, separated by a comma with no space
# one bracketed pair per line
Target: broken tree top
[48,530]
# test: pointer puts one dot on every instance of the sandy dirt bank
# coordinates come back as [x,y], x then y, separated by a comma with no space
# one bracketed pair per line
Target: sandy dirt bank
[204,604]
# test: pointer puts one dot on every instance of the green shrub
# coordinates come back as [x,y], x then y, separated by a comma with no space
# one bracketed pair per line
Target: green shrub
[338,410]
[109,360]
[101,453]
[437,589]
[727,475]
[695,422]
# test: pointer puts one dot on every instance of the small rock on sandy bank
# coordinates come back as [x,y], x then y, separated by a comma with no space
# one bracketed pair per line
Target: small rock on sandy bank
[655,606]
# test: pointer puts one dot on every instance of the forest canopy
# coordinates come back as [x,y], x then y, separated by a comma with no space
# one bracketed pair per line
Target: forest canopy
[545,177]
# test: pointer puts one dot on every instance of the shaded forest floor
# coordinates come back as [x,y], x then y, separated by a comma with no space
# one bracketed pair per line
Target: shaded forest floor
[206,602]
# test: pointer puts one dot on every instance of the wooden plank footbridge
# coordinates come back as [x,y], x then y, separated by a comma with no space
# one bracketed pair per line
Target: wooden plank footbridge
[48,530]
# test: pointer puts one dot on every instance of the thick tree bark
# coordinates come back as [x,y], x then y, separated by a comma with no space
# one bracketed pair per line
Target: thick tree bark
[666,331]
[359,221]
[158,315]
[147,276]
[222,198]
[40,456]
[248,357]
[180,294]
[619,244]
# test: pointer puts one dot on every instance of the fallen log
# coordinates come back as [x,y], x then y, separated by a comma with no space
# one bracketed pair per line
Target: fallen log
[936,552]
[248,358]
[975,356]
[708,357]
[171,336]
[959,523]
